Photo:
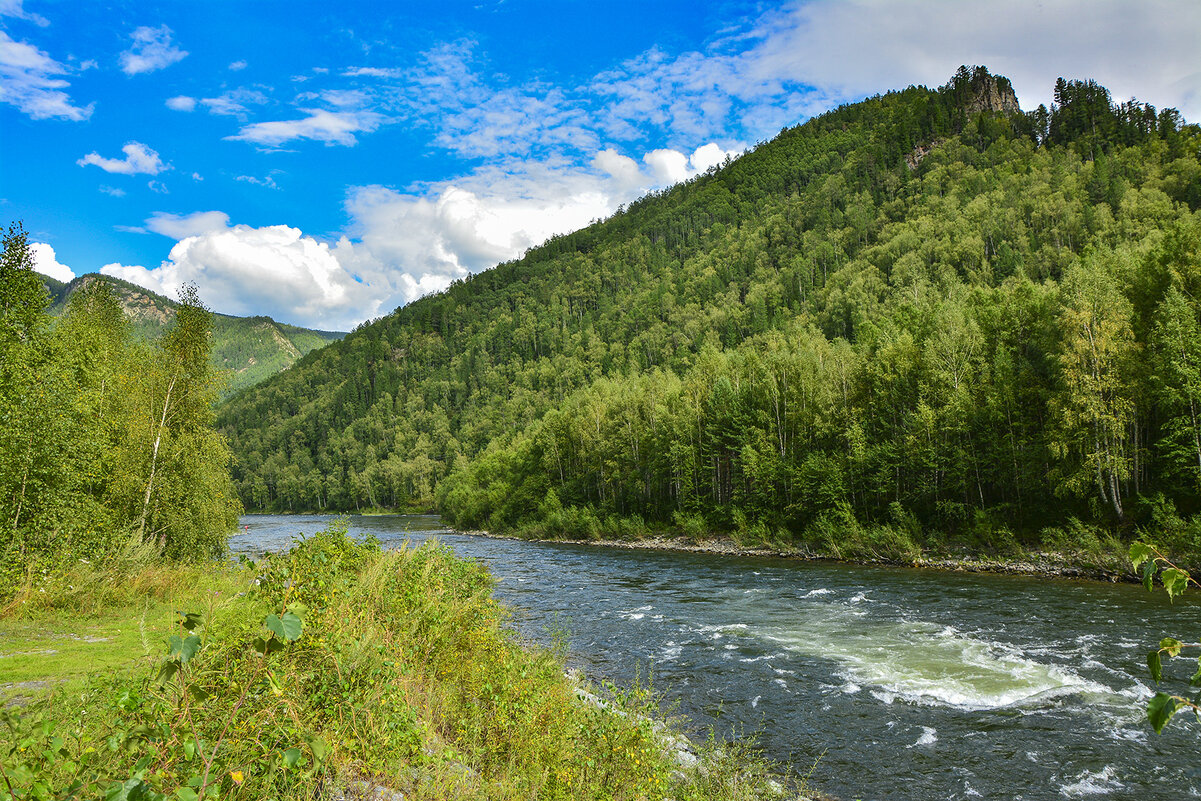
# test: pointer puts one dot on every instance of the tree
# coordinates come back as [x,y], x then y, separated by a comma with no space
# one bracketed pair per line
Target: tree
[1095,403]
[23,297]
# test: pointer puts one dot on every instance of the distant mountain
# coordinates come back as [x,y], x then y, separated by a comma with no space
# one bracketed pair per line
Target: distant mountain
[249,348]
[926,315]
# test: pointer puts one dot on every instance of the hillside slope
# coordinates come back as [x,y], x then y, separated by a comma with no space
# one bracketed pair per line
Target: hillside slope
[875,319]
[249,348]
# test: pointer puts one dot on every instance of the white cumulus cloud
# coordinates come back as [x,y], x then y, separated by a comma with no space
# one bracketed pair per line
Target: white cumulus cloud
[46,263]
[30,80]
[400,245]
[152,50]
[274,270]
[138,159]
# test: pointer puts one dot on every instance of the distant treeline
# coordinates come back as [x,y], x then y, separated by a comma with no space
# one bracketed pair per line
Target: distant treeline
[914,313]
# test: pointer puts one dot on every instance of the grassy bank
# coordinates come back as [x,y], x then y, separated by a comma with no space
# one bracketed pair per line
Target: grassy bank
[336,669]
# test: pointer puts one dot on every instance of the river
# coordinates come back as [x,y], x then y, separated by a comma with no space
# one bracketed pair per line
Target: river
[890,683]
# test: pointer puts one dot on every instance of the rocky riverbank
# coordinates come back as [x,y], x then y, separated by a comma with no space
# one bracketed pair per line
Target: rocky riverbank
[1043,564]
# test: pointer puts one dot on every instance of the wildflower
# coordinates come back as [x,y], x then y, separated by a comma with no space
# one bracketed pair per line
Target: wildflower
[237,776]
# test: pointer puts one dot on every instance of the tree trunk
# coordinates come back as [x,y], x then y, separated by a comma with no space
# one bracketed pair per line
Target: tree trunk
[158,438]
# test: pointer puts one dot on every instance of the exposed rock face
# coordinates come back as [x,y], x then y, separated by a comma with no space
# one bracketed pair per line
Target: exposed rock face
[978,90]
[992,93]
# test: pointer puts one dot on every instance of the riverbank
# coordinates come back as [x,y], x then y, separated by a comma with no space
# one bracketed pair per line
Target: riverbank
[337,670]
[1110,568]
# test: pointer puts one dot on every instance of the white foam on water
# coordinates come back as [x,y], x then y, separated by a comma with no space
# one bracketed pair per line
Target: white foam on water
[927,664]
[862,596]
[970,791]
[781,682]
[819,591]
[850,688]
[1102,782]
[755,701]
[929,737]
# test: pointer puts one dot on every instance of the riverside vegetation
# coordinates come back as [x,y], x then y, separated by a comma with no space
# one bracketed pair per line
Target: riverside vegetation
[922,323]
[340,670]
[336,670]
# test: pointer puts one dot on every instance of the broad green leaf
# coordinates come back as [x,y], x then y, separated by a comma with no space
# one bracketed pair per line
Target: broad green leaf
[189,648]
[186,794]
[190,620]
[293,626]
[1139,553]
[298,609]
[175,644]
[167,672]
[1195,681]
[1160,710]
[1170,645]
[291,757]
[1174,581]
[267,645]
[274,684]
[1149,576]
[1155,665]
[320,749]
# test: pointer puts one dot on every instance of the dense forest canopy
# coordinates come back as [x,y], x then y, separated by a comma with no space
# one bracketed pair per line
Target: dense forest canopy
[927,314]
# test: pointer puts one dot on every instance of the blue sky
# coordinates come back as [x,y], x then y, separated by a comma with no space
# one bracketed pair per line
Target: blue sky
[325,162]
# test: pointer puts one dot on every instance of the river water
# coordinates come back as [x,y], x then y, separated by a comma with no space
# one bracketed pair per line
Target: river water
[897,683]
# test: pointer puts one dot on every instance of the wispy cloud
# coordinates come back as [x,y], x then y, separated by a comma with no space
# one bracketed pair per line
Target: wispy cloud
[235,102]
[15,8]
[181,226]
[139,159]
[152,50]
[29,80]
[181,103]
[267,181]
[372,72]
[332,128]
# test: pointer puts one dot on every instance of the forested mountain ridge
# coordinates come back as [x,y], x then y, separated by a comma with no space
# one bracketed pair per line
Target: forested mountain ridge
[925,312]
[248,348]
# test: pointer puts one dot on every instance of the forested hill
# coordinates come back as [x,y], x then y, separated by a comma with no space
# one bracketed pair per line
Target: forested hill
[248,348]
[925,312]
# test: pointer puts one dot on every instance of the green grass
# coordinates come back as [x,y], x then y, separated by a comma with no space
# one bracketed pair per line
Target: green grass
[83,625]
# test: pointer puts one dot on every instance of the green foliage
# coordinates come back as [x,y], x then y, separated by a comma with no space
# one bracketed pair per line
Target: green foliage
[1175,581]
[107,442]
